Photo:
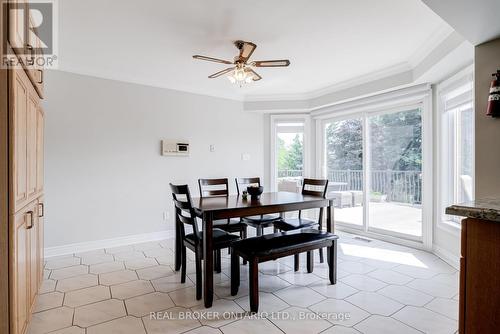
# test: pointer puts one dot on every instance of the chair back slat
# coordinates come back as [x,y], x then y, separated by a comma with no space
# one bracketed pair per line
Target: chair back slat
[315,187]
[184,211]
[243,182]
[213,187]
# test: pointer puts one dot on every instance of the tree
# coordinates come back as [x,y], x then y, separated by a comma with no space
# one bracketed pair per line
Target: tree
[294,156]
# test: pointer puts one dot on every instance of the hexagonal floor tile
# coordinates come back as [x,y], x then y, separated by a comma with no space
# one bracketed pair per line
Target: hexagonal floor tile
[140,263]
[106,267]
[153,302]
[69,272]
[51,320]
[154,272]
[48,301]
[77,282]
[87,296]
[126,325]
[63,262]
[185,297]
[100,312]
[117,277]
[171,283]
[131,289]
[299,296]
[48,285]
[375,303]
[97,258]
[338,291]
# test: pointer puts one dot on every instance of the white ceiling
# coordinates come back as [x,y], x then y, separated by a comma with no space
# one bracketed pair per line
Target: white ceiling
[327,41]
[476,20]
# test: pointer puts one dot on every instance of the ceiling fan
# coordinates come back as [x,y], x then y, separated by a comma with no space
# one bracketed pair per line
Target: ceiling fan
[243,72]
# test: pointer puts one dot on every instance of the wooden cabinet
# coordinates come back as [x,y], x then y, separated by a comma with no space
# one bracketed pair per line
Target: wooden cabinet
[25,43]
[40,129]
[33,67]
[20,268]
[19,128]
[26,169]
[28,131]
[479,295]
[18,28]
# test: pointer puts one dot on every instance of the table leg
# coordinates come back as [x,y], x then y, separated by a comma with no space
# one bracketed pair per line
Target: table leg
[178,242]
[208,264]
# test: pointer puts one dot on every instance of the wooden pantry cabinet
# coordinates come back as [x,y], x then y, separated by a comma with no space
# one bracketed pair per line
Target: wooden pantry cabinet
[25,150]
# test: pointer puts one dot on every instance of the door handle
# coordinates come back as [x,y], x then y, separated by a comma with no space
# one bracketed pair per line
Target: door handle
[41,210]
[30,49]
[30,226]
[41,77]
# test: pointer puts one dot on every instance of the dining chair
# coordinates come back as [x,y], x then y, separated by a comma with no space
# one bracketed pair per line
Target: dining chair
[220,187]
[312,187]
[185,215]
[258,222]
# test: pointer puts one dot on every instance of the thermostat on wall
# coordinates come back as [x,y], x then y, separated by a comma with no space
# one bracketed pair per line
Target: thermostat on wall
[175,148]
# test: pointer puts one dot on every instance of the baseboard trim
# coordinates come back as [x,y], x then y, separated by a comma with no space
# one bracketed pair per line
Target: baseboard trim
[107,243]
[447,256]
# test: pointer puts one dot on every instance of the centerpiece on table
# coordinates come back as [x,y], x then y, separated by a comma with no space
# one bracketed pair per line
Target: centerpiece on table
[255,192]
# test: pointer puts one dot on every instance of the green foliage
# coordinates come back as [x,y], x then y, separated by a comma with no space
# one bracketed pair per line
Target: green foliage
[291,157]
[395,142]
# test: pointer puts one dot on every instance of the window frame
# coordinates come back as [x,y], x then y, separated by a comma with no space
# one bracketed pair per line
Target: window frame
[287,118]
[447,121]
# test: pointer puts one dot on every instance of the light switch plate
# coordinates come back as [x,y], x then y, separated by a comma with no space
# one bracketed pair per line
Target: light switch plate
[245,157]
[212,148]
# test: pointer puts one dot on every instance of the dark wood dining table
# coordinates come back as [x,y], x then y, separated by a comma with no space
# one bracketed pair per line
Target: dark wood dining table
[234,206]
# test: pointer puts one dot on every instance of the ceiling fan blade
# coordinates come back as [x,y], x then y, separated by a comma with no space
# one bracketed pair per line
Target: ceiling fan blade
[271,63]
[256,77]
[215,60]
[246,49]
[218,74]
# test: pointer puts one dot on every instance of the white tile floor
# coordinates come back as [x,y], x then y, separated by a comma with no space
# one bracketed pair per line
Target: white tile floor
[382,288]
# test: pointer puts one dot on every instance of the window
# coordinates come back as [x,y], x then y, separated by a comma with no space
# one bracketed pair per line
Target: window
[457,142]
[288,151]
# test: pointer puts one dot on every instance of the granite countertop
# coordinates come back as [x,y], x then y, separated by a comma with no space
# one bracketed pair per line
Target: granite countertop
[483,208]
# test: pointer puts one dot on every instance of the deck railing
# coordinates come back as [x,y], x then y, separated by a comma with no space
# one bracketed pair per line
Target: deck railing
[394,185]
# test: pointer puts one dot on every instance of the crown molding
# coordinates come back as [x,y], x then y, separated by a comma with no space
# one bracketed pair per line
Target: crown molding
[435,41]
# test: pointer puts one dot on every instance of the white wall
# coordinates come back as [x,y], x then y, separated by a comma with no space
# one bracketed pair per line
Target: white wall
[105,177]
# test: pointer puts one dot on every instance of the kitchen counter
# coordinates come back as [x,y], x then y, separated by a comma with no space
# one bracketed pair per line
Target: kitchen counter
[484,208]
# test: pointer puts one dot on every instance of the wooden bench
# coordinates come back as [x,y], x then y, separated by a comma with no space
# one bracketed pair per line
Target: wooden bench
[274,246]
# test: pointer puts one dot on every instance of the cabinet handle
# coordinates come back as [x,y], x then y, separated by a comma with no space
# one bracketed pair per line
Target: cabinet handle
[41,77]
[31,213]
[30,49]
[41,210]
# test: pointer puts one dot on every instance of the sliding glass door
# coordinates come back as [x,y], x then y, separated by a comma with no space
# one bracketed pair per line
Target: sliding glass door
[395,177]
[344,168]
[374,164]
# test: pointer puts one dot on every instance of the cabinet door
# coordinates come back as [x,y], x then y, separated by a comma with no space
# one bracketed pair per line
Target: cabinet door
[19,137]
[41,231]
[31,137]
[20,270]
[34,256]
[40,126]
[18,26]
[33,67]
